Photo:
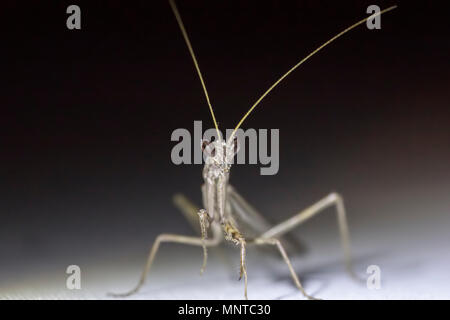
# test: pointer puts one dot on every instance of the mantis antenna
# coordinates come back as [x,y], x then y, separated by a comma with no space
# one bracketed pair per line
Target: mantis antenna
[304,60]
[191,51]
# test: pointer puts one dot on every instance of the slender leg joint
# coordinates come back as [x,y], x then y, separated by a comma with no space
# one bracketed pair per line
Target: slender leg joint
[333,199]
[167,238]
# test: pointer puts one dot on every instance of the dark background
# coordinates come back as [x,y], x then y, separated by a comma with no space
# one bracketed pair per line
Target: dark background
[87,115]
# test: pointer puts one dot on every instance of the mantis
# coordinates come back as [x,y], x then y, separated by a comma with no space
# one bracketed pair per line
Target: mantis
[226,214]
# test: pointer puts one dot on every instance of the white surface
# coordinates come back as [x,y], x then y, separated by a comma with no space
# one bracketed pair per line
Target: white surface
[413,258]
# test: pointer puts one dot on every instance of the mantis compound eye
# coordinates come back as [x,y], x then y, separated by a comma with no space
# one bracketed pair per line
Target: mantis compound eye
[208,148]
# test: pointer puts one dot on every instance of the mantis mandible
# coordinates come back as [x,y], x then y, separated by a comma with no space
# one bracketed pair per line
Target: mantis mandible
[224,206]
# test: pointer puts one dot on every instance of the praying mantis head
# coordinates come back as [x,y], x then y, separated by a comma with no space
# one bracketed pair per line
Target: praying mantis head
[219,156]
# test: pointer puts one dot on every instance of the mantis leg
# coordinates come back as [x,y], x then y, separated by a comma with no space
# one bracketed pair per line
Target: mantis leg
[277,243]
[194,241]
[332,199]
[232,234]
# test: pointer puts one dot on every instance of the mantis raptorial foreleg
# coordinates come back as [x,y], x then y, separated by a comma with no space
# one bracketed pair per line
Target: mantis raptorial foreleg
[204,225]
[193,214]
[243,266]
[333,199]
[190,212]
[232,234]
